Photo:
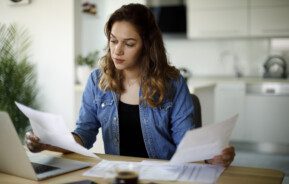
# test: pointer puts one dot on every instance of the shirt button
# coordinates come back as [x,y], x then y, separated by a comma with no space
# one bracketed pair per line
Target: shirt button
[102,105]
[114,118]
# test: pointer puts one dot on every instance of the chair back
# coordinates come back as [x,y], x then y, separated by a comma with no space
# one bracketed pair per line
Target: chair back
[197,114]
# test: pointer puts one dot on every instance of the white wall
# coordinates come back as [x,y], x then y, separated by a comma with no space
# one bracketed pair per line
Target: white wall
[215,57]
[92,27]
[51,26]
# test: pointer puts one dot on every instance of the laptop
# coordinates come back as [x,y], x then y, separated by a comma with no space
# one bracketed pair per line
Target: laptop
[15,161]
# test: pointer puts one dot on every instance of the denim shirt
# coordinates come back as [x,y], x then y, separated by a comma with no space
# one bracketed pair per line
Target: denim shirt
[162,127]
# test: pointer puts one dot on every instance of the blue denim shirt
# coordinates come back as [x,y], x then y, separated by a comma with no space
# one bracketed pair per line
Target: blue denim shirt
[162,127]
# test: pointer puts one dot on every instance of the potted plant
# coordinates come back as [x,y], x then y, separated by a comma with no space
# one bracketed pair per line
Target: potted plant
[17,75]
[85,65]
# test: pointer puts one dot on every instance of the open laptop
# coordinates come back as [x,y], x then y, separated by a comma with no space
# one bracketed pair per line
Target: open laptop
[15,161]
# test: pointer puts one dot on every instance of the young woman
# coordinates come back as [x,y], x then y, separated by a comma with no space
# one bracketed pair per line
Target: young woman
[140,102]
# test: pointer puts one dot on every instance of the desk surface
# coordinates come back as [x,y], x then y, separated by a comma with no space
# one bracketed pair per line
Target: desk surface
[233,174]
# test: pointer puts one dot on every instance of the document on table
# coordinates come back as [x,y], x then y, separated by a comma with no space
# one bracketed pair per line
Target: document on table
[204,143]
[52,130]
[155,170]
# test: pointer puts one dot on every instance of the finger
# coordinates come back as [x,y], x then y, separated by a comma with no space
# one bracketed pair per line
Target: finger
[228,153]
[227,164]
[217,160]
[30,146]
[28,143]
[228,160]
[227,157]
[33,137]
[229,150]
[27,134]
[34,145]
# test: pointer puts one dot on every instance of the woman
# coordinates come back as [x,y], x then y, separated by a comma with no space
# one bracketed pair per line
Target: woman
[142,104]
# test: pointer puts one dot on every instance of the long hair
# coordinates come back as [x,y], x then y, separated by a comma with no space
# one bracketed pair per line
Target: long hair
[156,72]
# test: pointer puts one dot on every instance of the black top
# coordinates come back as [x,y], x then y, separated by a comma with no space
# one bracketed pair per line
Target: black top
[130,134]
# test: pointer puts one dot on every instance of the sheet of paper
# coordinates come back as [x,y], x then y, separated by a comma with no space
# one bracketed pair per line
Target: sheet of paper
[154,170]
[192,172]
[204,143]
[51,129]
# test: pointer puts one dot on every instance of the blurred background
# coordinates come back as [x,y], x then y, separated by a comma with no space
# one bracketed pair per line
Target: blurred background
[234,54]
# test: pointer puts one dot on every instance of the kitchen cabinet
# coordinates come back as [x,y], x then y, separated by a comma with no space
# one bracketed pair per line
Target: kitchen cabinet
[267,117]
[229,100]
[206,95]
[269,18]
[237,18]
[211,18]
[262,105]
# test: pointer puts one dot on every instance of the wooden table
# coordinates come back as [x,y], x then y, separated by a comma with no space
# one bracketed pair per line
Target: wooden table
[232,175]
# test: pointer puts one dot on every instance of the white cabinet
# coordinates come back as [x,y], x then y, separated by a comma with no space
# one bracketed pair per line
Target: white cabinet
[229,100]
[221,18]
[267,116]
[237,18]
[206,95]
[267,119]
[269,18]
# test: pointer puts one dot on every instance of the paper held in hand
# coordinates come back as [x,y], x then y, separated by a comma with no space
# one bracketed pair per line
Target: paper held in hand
[204,143]
[52,130]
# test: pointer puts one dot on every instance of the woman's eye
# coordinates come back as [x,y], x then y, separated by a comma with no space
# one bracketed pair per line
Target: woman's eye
[129,45]
[113,41]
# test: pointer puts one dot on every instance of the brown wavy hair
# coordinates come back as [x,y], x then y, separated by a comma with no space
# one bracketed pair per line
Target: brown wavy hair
[156,72]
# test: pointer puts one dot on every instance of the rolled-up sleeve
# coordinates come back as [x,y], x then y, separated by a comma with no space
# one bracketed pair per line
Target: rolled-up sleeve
[87,125]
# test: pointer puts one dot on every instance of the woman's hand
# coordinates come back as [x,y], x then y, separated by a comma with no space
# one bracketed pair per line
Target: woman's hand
[225,159]
[34,145]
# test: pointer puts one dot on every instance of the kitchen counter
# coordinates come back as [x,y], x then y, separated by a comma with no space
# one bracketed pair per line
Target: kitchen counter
[201,82]
[195,85]
[214,79]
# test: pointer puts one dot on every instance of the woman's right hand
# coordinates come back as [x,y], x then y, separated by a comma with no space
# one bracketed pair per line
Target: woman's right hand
[34,145]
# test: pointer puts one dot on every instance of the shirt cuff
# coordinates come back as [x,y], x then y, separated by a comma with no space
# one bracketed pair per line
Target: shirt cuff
[73,133]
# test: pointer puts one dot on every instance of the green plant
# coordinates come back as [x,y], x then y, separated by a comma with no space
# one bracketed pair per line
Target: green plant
[17,75]
[88,60]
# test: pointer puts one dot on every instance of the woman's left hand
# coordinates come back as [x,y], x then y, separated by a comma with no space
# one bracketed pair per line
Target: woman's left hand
[225,159]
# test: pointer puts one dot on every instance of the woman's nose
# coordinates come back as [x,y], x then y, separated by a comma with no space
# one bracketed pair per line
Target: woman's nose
[119,49]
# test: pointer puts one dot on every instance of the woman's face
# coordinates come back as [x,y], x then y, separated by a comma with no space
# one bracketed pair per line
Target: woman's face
[125,46]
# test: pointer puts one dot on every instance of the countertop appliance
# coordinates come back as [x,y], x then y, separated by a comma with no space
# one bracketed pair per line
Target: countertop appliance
[275,67]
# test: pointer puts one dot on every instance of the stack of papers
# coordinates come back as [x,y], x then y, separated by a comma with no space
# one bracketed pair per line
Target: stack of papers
[153,170]
[51,129]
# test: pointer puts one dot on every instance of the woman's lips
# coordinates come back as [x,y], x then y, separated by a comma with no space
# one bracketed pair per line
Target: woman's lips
[119,61]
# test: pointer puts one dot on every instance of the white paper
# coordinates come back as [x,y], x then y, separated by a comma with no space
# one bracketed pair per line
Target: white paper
[204,143]
[192,172]
[154,170]
[51,129]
